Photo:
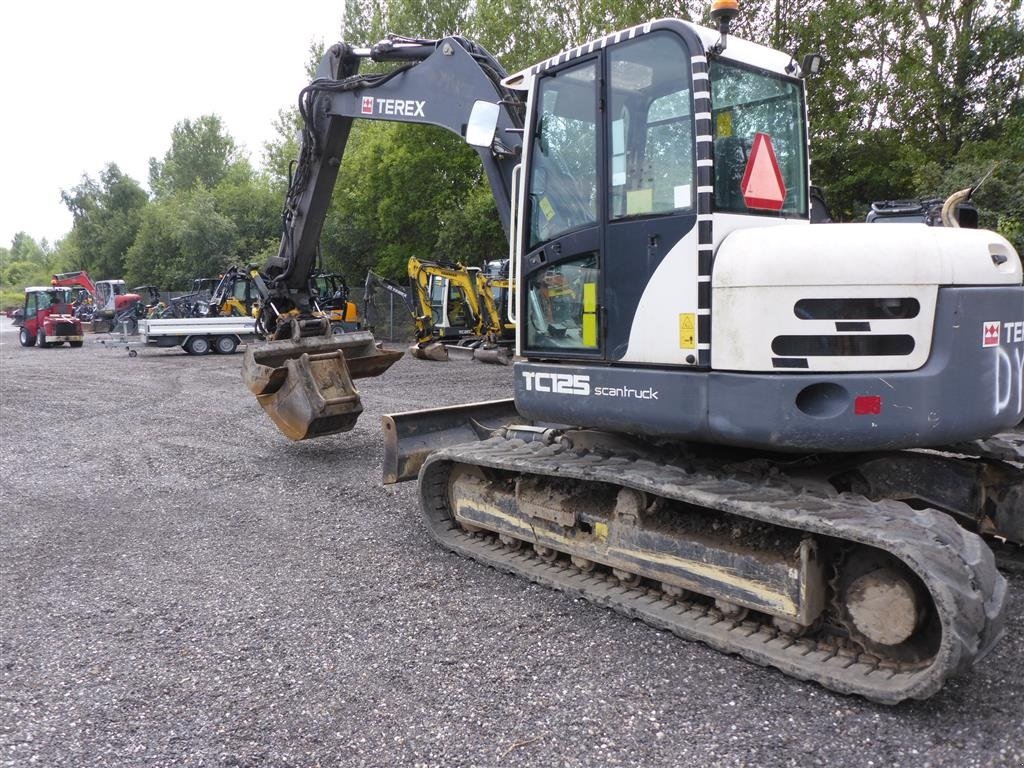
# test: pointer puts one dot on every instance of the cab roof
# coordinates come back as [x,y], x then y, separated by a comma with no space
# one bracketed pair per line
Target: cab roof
[736,49]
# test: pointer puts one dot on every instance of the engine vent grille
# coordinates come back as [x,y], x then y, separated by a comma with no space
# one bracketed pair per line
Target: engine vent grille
[853,345]
[857,309]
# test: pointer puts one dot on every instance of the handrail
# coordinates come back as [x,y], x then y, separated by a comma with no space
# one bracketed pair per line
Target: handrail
[512,300]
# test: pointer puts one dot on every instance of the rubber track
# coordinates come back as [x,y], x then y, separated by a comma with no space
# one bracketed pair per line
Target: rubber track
[955,565]
[1007,446]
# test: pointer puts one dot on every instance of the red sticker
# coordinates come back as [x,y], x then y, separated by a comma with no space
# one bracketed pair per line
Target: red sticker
[367,105]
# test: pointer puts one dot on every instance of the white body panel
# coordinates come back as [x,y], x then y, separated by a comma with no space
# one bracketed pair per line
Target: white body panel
[760,274]
[724,224]
[864,254]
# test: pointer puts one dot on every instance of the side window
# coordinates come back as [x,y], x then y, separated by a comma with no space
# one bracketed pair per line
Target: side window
[30,305]
[460,314]
[744,103]
[651,128]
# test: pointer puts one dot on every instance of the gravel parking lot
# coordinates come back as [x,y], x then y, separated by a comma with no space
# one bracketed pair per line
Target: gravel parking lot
[181,585]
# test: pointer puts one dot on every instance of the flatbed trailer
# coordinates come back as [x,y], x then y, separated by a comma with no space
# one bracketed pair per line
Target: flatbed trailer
[196,335]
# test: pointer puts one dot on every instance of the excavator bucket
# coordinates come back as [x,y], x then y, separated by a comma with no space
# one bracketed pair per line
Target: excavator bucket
[410,437]
[435,350]
[497,355]
[305,383]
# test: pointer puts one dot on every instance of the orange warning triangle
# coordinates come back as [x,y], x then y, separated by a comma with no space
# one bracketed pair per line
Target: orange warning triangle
[762,185]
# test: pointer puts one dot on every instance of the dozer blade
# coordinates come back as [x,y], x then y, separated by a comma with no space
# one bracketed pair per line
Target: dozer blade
[412,436]
[305,383]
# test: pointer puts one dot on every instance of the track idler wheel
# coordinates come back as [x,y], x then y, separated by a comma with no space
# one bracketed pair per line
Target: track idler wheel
[884,606]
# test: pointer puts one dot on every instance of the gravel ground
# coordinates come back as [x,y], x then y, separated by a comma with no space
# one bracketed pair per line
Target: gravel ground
[181,585]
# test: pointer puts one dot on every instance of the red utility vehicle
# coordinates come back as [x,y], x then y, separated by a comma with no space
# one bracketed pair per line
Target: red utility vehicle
[47,318]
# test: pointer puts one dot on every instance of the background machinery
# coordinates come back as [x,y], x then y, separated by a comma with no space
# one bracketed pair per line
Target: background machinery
[452,307]
[331,296]
[719,410]
[47,319]
[112,305]
[234,295]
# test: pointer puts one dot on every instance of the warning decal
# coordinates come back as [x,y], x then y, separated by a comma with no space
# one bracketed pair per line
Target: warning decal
[366,106]
[762,185]
[687,331]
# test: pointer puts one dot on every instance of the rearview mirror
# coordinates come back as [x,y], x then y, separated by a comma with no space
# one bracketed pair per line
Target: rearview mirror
[483,122]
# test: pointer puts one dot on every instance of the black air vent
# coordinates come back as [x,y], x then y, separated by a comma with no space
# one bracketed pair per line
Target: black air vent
[843,346]
[857,309]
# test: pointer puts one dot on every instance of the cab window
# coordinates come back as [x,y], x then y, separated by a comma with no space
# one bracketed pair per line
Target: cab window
[651,128]
[563,174]
[744,103]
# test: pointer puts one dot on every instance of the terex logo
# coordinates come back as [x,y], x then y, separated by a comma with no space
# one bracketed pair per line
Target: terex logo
[404,107]
[559,383]
[1012,333]
[990,334]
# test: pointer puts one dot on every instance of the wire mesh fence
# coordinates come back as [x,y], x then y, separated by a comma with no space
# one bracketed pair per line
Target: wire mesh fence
[390,317]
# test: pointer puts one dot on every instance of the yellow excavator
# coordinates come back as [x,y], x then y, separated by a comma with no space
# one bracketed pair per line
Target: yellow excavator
[331,295]
[789,442]
[454,311]
[234,296]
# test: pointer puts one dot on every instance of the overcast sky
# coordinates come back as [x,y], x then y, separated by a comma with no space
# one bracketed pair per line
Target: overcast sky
[84,83]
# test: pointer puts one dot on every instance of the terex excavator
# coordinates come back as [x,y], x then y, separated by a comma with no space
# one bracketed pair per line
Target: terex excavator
[778,439]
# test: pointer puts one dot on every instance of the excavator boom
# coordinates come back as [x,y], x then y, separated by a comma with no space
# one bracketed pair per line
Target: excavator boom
[452,83]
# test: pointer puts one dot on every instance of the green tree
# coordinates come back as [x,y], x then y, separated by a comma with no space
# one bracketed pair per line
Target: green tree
[201,152]
[182,236]
[107,213]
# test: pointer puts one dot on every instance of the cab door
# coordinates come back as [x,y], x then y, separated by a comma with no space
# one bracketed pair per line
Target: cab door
[31,320]
[562,234]
[609,223]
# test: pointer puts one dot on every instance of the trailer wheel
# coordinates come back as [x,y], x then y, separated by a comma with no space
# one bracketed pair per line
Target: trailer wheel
[197,345]
[225,345]
[26,338]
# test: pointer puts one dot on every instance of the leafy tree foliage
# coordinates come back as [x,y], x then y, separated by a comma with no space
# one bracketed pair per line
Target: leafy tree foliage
[201,153]
[107,213]
[181,236]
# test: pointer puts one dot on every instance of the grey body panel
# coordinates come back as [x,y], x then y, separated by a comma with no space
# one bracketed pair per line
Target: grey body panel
[964,391]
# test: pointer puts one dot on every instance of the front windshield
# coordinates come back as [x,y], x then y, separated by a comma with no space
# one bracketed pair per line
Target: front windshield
[745,103]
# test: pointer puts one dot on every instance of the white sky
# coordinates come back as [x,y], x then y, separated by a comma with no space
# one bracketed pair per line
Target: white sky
[85,83]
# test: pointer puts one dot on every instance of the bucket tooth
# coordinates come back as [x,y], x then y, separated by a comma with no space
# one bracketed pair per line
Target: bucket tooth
[305,383]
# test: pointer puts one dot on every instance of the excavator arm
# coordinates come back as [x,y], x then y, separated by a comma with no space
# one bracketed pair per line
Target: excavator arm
[303,376]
